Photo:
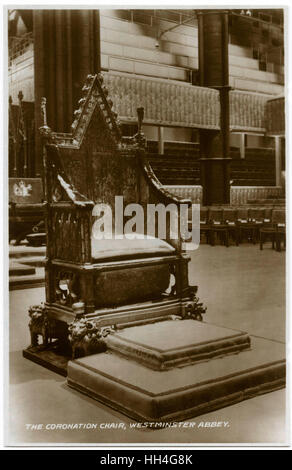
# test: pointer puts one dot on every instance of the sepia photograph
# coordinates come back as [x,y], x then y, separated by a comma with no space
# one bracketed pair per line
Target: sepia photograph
[145,167]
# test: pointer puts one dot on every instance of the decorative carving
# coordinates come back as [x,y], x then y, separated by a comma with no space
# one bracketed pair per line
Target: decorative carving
[87,338]
[41,325]
[67,288]
[241,194]
[194,308]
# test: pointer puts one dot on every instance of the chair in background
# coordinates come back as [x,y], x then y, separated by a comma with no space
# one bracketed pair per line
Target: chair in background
[280,224]
[230,220]
[205,227]
[218,227]
[274,230]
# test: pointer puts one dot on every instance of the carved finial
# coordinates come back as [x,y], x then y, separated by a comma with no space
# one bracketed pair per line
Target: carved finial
[90,77]
[44,111]
[100,77]
[140,113]
[81,101]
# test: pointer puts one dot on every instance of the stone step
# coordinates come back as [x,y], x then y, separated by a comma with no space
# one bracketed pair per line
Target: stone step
[169,344]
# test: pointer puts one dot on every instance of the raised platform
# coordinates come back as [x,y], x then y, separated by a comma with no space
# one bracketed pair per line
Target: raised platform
[169,344]
[181,392]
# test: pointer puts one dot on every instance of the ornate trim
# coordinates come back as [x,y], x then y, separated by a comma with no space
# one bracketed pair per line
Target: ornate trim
[93,94]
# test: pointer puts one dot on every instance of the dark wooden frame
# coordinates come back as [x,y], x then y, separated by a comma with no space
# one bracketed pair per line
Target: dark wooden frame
[94,146]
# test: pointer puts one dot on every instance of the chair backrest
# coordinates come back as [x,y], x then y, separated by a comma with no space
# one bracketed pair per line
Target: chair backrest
[229,215]
[268,213]
[88,168]
[242,213]
[256,214]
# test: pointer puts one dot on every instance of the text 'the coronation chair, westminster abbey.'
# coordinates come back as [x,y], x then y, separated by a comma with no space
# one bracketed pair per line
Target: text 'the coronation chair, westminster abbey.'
[123,308]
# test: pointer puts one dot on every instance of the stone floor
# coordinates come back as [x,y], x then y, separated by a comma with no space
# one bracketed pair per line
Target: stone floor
[243,288]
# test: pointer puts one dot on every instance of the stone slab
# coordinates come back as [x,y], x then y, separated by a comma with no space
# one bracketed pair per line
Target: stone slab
[176,394]
[176,343]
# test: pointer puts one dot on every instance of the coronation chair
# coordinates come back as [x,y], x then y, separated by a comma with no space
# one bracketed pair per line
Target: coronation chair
[112,282]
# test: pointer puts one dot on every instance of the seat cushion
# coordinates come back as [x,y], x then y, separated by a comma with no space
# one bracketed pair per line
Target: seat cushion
[138,247]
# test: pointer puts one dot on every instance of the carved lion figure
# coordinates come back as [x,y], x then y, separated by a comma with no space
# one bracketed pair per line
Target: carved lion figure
[41,325]
[87,338]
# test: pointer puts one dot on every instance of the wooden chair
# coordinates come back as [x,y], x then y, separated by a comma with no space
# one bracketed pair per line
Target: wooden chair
[108,281]
[218,227]
[230,219]
[256,220]
[249,222]
[274,230]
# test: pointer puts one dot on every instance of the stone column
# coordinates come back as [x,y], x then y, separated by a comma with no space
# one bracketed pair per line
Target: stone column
[66,50]
[214,73]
